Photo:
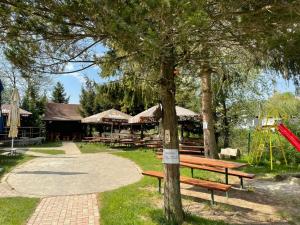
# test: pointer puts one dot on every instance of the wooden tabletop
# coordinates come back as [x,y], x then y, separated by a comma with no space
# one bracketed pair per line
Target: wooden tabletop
[210,162]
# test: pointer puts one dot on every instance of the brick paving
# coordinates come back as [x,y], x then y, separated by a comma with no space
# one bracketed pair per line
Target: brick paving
[67,210]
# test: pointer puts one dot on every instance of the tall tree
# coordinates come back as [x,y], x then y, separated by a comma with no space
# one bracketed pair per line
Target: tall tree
[59,95]
[156,36]
[34,102]
[87,98]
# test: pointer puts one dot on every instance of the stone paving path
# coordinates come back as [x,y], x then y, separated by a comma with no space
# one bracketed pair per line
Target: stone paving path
[72,175]
[67,184]
[67,210]
[7,191]
[71,148]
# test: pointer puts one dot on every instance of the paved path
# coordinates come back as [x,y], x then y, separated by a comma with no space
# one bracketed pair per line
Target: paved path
[7,191]
[72,174]
[71,148]
[67,210]
[68,183]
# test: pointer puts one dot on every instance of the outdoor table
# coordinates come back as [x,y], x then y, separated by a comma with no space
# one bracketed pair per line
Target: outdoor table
[212,163]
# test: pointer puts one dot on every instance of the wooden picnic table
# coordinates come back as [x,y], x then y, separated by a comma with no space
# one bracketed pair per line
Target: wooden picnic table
[211,163]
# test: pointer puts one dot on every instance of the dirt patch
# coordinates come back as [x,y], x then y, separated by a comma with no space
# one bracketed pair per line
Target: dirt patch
[264,201]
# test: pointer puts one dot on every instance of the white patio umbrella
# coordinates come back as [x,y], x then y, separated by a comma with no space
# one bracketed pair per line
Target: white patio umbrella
[13,121]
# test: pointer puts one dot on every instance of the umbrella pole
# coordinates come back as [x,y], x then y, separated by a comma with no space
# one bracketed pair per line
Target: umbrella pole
[111,131]
[12,146]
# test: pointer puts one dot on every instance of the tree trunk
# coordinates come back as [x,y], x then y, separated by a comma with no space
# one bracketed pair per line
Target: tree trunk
[210,146]
[225,125]
[172,196]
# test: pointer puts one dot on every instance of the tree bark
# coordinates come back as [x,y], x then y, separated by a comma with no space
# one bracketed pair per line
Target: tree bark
[210,145]
[225,125]
[172,196]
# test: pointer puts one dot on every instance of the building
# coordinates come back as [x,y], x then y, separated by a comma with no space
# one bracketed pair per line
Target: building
[63,122]
[24,130]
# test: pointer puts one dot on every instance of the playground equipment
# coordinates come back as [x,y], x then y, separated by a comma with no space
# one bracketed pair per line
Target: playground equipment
[267,139]
[292,138]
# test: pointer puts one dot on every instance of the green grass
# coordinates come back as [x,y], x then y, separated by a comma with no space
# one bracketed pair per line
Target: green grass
[16,210]
[50,144]
[9,162]
[264,169]
[92,147]
[49,151]
[135,203]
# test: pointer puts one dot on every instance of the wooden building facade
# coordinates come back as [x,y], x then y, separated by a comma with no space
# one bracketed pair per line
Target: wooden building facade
[63,122]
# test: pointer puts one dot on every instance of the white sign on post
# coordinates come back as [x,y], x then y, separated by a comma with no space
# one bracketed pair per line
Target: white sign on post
[205,125]
[167,136]
[170,156]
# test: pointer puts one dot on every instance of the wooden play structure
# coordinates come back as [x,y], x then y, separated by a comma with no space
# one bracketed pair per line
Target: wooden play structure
[267,138]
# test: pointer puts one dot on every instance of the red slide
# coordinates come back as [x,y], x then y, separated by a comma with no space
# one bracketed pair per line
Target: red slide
[292,138]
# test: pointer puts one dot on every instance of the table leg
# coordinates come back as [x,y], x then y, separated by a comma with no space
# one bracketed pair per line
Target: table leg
[226,175]
[159,185]
[212,197]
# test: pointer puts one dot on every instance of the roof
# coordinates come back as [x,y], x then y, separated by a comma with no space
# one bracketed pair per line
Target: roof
[62,112]
[154,113]
[150,115]
[6,109]
[111,115]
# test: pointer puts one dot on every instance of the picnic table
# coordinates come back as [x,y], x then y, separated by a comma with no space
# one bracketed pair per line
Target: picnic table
[211,163]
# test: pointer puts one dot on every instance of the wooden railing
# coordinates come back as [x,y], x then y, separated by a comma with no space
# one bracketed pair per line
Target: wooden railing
[30,132]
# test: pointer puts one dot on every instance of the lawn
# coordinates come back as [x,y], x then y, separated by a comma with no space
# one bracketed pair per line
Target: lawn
[264,169]
[9,162]
[48,144]
[49,151]
[92,147]
[16,210]
[137,203]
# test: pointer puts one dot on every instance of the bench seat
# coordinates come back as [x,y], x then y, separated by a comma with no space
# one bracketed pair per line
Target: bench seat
[236,173]
[210,185]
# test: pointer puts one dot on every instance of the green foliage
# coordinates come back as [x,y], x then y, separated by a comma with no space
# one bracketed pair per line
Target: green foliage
[59,95]
[285,105]
[33,102]
[16,210]
[118,95]
[88,98]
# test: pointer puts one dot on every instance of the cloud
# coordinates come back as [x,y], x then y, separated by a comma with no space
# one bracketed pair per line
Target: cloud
[70,67]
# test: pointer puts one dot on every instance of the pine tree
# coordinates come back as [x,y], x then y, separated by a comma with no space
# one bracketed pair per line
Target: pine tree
[87,98]
[59,95]
[34,103]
